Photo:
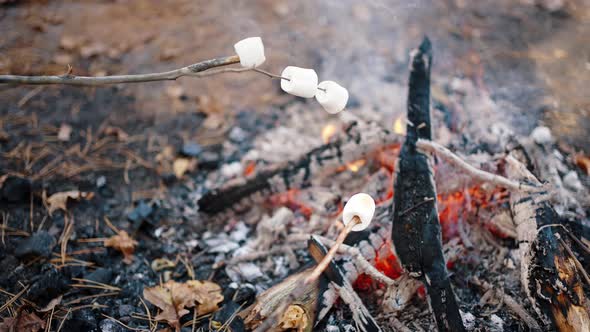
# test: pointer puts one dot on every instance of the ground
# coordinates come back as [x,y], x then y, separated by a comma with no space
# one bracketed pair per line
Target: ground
[532,62]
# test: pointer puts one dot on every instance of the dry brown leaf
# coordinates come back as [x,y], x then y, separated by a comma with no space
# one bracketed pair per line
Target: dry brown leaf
[124,243]
[60,200]
[160,264]
[173,298]
[24,322]
[206,295]
[584,163]
[183,165]
[52,304]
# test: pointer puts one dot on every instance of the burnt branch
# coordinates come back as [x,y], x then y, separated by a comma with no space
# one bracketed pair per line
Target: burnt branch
[359,140]
[196,69]
[548,269]
[483,176]
[416,230]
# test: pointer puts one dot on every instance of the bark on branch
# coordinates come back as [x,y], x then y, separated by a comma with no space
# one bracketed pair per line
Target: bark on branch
[195,69]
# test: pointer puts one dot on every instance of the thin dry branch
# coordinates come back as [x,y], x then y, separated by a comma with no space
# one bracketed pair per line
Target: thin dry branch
[511,303]
[195,69]
[453,159]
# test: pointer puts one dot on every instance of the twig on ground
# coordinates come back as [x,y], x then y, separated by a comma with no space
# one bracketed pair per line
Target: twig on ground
[453,159]
[13,299]
[69,79]
[511,303]
[61,324]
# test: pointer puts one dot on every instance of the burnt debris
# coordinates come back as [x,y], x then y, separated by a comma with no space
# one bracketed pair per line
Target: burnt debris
[416,230]
[358,140]
[549,274]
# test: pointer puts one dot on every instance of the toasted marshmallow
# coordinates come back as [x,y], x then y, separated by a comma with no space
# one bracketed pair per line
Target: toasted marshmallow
[361,205]
[332,96]
[301,82]
[250,51]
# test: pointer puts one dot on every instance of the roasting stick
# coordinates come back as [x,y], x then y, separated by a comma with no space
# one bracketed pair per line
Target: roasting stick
[69,79]
[356,216]
[323,264]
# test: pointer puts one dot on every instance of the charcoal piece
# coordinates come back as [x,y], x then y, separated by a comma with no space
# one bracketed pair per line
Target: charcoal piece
[49,284]
[15,189]
[39,244]
[416,231]
[102,275]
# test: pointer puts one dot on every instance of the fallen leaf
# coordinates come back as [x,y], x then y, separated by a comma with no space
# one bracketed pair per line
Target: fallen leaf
[64,133]
[59,200]
[52,304]
[160,264]
[173,298]
[206,295]
[182,165]
[124,243]
[24,322]
[584,163]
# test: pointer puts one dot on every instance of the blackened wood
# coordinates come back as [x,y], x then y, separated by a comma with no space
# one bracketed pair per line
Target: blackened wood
[548,273]
[416,231]
[365,322]
[356,142]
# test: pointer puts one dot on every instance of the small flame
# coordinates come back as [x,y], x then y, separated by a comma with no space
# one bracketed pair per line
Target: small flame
[328,132]
[398,126]
[354,166]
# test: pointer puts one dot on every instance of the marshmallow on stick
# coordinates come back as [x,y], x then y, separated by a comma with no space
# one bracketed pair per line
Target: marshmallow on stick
[301,82]
[332,96]
[360,205]
[250,51]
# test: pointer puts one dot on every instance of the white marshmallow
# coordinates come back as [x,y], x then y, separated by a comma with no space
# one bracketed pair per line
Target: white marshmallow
[302,82]
[250,51]
[361,205]
[334,99]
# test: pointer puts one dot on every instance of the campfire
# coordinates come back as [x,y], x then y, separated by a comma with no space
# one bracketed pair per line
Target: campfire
[425,245]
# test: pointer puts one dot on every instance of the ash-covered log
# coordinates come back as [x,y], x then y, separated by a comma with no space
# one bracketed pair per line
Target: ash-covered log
[416,231]
[550,273]
[357,142]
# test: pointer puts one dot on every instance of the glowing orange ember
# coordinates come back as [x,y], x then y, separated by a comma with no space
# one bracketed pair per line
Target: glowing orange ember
[328,132]
[399,127]
[250,168]
[291,200]
[354,166]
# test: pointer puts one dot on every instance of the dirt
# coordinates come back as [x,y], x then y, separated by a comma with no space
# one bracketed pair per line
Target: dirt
[533,63]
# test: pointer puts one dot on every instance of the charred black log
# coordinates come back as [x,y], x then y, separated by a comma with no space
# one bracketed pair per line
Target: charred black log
[358,140]
[549,274]
[416,230]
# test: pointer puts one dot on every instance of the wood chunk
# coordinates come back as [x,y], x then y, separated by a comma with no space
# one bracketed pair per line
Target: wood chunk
[548,273]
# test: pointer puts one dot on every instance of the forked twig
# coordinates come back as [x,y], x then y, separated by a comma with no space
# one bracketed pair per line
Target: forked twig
[453,159]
